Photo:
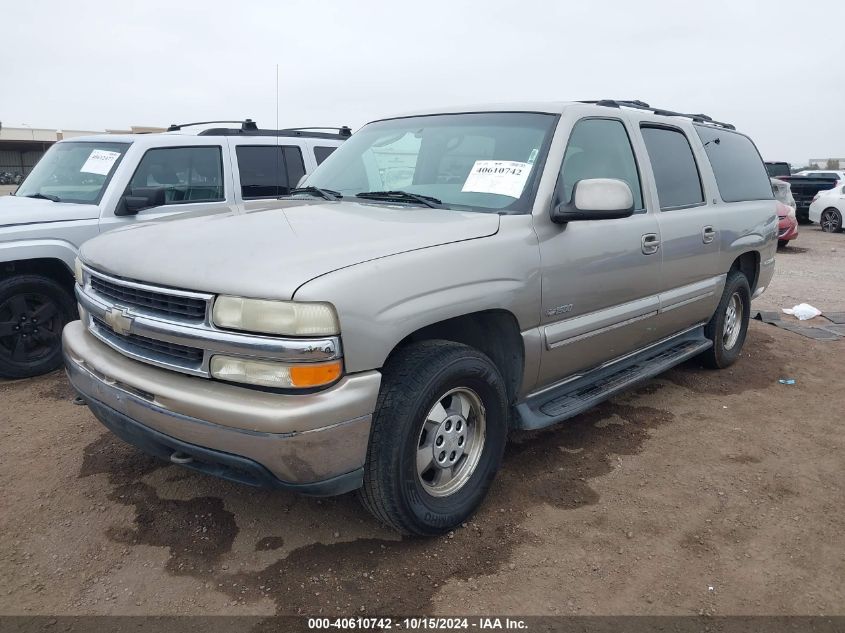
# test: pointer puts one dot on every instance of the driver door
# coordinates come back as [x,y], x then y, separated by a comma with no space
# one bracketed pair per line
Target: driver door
[600,278]
[193,179]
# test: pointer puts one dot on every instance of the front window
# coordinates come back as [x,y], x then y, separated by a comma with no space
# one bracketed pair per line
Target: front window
[187,174]
[483,162]
[73,172]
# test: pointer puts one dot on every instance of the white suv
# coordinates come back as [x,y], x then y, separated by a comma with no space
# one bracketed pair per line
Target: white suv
[88,185]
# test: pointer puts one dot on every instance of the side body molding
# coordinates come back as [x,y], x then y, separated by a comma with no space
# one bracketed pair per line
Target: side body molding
[594,323]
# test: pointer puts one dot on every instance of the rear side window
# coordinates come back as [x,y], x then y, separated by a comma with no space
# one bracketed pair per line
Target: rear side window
[739,170]
[675,172]
[268,171]
[322,153]
[188,174]
[599,148]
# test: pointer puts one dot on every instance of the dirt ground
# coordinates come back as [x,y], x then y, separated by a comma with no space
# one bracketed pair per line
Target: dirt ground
[699,493]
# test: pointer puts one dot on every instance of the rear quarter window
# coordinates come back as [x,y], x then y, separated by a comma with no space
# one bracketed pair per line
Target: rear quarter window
[739,170]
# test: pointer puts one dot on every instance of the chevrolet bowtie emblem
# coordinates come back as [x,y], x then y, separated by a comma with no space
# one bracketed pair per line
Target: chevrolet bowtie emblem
[119,321]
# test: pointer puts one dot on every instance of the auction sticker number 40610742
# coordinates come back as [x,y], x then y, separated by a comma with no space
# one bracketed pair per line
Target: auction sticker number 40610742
[503,177]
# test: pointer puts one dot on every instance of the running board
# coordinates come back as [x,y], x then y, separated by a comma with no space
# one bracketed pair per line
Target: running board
[576,396]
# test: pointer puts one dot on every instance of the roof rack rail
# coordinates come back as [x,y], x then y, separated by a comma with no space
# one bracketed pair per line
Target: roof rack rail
[343,130]
[641,105]
[246,125]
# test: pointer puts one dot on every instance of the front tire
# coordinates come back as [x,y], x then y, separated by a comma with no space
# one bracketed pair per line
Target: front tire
[729,325]
[437,438]
[830,220]
[33,311]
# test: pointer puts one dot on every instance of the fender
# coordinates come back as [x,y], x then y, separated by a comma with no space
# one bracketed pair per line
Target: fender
[22,250]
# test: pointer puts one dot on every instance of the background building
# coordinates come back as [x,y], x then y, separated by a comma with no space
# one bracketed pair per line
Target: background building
[827,163]
[22,147]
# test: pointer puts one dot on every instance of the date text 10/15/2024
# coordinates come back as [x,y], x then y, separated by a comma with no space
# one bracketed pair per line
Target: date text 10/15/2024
[417,624]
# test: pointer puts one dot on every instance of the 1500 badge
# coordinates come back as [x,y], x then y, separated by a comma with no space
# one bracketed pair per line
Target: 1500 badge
[559,310]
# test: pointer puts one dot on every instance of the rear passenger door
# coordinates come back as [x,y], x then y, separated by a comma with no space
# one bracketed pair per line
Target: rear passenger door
[691,275]
[265,171]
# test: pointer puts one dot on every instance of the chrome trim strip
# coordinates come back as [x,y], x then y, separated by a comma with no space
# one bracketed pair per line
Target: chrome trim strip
[220,341]
[607,328]
[592,323]
[88,273]
[684,295]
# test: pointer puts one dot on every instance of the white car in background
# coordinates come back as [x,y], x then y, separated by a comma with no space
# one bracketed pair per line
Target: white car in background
[828,208]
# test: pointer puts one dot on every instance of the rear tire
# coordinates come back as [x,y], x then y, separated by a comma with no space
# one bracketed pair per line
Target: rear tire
[729,325]
[33,311]
[830,220]
[437,439]
[783,243]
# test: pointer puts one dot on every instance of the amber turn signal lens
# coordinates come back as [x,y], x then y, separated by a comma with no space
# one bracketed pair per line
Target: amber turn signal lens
[315,375]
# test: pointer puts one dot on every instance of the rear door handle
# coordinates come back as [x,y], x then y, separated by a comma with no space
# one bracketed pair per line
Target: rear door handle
[650,243]
[707,234]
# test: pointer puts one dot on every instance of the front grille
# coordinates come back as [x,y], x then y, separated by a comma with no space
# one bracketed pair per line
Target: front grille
[143,346]
[149,300]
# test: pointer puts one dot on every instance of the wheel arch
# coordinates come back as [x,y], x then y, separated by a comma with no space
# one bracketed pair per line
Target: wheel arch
[50,267]
[495,333]
[748,264]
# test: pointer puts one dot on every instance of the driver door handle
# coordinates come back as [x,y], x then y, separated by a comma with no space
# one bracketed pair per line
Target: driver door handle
[707,234]
[650,243]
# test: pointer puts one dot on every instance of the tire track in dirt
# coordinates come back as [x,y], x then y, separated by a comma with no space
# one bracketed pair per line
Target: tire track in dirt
[374,576]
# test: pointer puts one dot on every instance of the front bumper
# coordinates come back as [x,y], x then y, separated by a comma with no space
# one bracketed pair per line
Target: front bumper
[312,443]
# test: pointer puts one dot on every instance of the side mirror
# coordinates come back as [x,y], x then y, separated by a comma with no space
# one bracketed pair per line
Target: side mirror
[596,199]
[140,199]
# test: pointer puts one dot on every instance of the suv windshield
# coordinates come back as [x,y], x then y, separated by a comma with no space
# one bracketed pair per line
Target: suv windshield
[482,162]
[73,172]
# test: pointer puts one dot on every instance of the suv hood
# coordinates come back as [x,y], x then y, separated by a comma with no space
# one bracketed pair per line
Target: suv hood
[268,254]
[15,211]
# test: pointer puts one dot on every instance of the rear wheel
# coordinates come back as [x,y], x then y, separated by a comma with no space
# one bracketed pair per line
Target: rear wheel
[437,438]
[729,324]
[33,311]
[783,243]
[831,220]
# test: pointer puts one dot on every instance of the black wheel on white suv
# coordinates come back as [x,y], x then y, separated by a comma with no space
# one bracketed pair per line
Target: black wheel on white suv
[830,220]
[729,325]
[437,438]
[33,311]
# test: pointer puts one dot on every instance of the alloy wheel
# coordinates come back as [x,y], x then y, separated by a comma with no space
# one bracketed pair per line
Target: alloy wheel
[450,442]
[29,325]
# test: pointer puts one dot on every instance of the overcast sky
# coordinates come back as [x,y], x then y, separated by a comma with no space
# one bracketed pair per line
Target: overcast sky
[776,69]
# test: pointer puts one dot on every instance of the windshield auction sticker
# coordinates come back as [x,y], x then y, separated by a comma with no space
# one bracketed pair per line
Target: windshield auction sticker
[100,162]
[504,177]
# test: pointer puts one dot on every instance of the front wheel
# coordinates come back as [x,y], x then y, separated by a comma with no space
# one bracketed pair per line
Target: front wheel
[729,324]
[830,220]
[33,311]
[437,437]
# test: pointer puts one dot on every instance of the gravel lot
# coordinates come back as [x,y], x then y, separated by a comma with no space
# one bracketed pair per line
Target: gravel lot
[701,492]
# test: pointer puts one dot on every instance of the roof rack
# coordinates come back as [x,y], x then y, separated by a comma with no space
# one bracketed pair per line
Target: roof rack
[248,127]
[641,105]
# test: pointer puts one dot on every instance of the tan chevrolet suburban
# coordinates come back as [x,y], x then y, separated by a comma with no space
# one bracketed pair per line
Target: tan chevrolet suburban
[441,279]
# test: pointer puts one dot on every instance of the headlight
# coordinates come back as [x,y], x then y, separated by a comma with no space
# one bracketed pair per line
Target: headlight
[77,272]
[267,373]
[289,318]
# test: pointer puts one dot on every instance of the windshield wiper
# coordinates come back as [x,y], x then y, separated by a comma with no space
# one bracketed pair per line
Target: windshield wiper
[44,196]
[401,196]
[326,194]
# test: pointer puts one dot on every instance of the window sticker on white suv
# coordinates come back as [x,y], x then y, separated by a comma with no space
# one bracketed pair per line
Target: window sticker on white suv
[99,162]
[503,177]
